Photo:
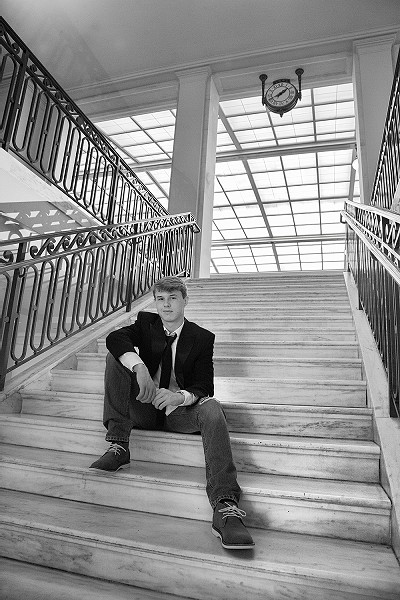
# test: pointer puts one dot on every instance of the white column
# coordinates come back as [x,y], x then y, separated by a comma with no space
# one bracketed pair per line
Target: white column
[193,163]
[373,70]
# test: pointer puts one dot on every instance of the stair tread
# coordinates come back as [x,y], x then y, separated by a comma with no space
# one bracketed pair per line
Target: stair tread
[73,397]
[20,580]
[304,488]
[269,342]
[366,566]
[333,445]
[247,380]
[324,361]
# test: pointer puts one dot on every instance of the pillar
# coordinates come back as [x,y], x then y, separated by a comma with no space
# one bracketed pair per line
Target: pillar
[193,163]
[373,70]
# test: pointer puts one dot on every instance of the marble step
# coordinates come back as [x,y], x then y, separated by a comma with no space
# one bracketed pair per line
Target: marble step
[322,290]
[268,308]
[285,349]
[265,281]
[271,318]
[234,321]
[300,333]
[234,294]
[238,366]
[344,460]
[182,557]
[271,390]
[23,581]
[350,423]
[328,508]
[226,332]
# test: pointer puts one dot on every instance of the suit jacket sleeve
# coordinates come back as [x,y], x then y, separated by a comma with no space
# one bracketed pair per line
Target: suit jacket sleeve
[125,339]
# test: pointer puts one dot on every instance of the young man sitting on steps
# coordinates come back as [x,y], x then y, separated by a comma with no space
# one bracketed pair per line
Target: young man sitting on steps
[160,375]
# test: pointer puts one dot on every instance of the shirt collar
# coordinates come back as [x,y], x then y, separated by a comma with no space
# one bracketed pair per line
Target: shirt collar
[177,331]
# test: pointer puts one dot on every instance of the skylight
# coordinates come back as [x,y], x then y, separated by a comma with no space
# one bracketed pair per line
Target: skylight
[280,182]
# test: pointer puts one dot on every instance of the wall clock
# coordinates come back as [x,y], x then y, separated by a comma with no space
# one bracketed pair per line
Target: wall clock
[282,96]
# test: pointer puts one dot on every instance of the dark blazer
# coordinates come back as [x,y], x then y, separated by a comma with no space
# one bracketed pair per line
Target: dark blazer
[194,368]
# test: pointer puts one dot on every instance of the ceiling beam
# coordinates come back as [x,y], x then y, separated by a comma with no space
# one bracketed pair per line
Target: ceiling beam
[346,144]
[329,237]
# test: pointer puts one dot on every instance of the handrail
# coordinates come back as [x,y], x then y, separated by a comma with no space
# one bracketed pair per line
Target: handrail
[388,170]
[373,257]
[53,286]
[43,126]
[380,231]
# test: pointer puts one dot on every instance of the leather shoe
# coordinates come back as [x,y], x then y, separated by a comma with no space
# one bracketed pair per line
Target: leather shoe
[115,458]
[228,526]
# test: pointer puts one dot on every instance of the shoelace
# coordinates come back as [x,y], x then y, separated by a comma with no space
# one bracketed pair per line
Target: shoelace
[232,511]
[116,448]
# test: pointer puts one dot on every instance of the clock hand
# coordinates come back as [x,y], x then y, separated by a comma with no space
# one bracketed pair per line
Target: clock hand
[280,93]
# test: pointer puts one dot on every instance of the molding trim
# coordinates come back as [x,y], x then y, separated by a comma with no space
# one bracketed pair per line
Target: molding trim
[376,44]
[218,62]
[234,74]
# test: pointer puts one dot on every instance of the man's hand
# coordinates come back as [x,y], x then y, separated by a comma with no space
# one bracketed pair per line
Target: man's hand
[146,385]
[166,398]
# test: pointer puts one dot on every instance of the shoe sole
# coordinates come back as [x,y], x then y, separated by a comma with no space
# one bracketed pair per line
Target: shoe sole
[230,546]
[125,466]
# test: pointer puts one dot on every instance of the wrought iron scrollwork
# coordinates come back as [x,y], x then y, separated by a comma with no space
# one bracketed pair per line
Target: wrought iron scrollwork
[46,129]
[373,255]
[56,285]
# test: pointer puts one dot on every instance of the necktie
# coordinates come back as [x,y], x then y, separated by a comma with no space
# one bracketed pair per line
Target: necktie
[166,362]
[165,376]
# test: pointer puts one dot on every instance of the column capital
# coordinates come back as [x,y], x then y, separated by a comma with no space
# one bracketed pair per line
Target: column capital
[381,43]
[198,74]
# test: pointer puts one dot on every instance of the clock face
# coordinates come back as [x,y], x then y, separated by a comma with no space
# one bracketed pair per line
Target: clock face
[281,97]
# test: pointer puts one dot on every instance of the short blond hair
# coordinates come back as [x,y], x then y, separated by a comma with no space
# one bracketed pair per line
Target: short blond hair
[170,284]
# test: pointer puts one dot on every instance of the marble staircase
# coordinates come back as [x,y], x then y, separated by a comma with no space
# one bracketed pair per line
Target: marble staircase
[289,375]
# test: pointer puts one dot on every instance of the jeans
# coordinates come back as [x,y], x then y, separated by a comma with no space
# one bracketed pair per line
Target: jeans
[122,413]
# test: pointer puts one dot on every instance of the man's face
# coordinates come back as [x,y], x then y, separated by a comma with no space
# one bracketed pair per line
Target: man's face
[171,308]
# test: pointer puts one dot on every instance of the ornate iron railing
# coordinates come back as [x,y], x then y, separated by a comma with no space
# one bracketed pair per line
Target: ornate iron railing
[42,125]
[373,256]
[53,286]
[388,170]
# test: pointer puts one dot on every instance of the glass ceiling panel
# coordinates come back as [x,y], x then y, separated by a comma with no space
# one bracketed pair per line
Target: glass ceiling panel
[281,200]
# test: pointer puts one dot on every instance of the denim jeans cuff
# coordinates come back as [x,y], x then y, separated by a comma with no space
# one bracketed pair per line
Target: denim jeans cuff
[224,497]
[114,438]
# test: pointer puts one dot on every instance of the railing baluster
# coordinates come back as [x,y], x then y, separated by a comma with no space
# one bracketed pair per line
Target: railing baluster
[11,313]
[15,102]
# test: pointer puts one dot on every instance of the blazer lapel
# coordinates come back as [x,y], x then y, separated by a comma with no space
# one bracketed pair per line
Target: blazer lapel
[157,337]
[184,346]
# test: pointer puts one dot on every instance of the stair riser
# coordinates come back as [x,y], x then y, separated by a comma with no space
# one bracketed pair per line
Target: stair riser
[258,368]
[295,515]
[296,393]
[233,321]
[294,308]
[322,292]
[275,368]
[171,574]
[286,334]
[317,285]
[277,350]
[307,425]
[240,419]
[187,450]
[267,301]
